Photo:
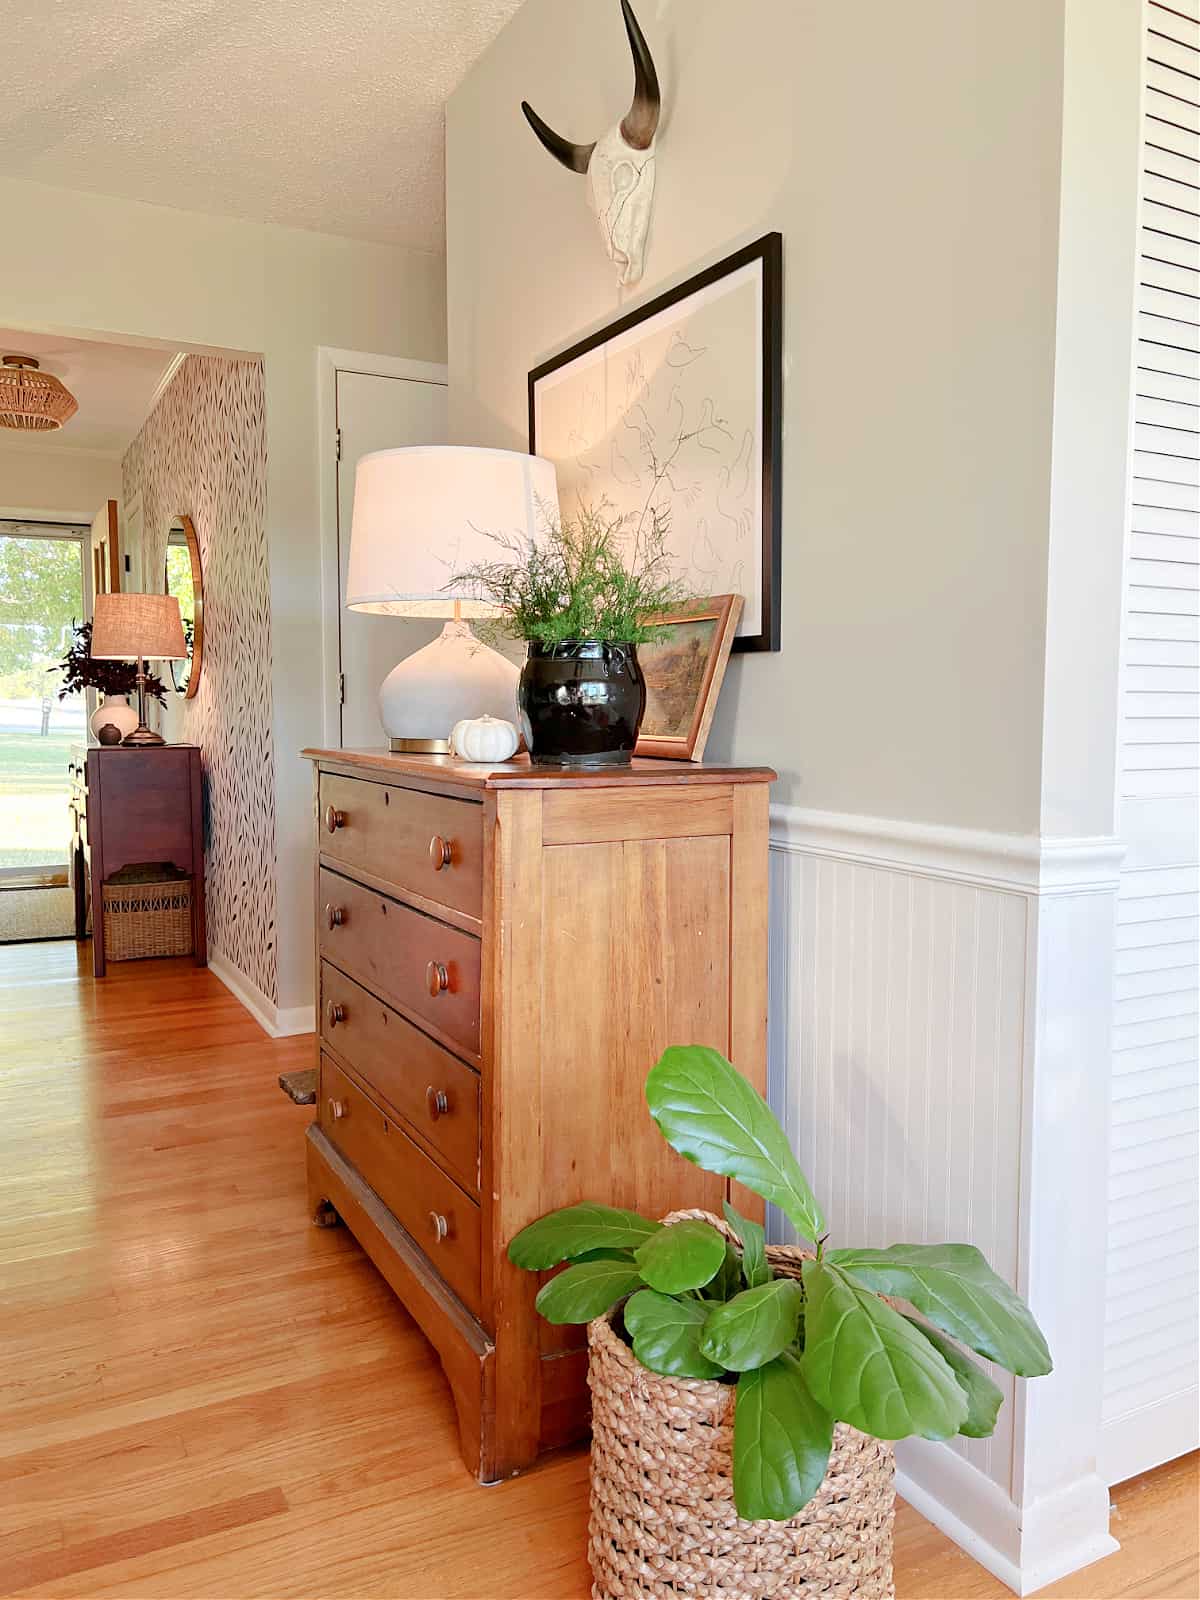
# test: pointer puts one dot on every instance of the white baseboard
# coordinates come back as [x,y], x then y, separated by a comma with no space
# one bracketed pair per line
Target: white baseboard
[1025,863]
[962,1503]
[276,1022]
[1025,1547]
[291,1020]
[1146,1438]
[1065,1531]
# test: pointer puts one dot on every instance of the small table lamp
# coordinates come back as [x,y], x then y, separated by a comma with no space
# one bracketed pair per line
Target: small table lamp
[420,515]
[131,627]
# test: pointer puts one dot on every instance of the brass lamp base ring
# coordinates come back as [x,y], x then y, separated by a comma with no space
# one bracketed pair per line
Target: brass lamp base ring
[142,735]
[419,747]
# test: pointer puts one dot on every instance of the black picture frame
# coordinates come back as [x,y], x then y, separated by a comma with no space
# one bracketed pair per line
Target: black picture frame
[769,251]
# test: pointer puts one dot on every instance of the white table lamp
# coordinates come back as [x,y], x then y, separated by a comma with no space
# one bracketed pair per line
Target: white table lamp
[420,515]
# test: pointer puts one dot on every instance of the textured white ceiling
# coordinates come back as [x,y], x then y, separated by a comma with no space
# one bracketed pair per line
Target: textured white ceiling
[115,385]
[316,114]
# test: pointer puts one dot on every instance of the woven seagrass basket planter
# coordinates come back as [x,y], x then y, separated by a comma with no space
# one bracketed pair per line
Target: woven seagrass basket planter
[663,1522]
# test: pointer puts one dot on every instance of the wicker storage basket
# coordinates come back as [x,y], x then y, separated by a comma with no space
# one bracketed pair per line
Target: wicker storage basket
[148,919]
[663,1522]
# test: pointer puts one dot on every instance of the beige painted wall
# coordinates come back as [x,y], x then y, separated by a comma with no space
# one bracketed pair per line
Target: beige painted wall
[150,272]
[909,155]
[59,481]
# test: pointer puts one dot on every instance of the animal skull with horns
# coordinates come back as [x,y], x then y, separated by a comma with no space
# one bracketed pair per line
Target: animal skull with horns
[620,164]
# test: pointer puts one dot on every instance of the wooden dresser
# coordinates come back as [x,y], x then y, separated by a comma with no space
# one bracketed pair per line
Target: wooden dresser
[502,955]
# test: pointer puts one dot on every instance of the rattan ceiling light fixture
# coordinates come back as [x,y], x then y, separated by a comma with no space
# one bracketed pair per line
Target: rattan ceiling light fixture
[32,400]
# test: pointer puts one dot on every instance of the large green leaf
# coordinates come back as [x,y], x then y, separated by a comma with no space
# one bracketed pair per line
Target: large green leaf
[869,1366]
[754,1247]
[984,1399]
[575,1230]
[666,1334]
[714,1117]
[587,1290]
[685,1255]
[729,1280]
[781,1441]
[957,1290]
[754,1327]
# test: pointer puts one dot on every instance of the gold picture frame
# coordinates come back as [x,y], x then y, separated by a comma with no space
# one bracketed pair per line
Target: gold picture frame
[185,675]
[684,675]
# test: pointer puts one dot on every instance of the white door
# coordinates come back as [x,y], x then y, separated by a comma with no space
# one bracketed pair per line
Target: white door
[375,413]
[1151,1347]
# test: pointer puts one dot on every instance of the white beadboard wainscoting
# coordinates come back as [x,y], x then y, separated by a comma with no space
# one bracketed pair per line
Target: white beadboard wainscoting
[940,1054]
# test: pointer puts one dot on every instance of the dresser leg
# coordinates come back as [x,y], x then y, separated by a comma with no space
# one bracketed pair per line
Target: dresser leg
[320,1208]
[99,963]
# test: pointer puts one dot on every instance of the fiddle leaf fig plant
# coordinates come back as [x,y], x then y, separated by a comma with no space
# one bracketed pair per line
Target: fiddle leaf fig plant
[805,1353]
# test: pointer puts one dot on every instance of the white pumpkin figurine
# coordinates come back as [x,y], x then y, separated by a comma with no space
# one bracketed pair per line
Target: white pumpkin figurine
[486,739]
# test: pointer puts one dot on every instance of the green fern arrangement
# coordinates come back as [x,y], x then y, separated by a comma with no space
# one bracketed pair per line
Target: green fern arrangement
[583,578]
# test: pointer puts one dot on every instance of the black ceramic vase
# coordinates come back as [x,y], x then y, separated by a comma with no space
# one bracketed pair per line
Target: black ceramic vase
[582,703]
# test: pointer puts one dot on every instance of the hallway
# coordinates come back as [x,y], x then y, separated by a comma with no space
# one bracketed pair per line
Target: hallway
[204,1396]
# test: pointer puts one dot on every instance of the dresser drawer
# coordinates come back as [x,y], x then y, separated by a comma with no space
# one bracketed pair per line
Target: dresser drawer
[434,1091]
[433,1209]
[428,969]
[428,843]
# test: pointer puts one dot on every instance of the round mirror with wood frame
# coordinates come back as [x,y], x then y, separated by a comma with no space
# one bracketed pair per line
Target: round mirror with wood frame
[182,577]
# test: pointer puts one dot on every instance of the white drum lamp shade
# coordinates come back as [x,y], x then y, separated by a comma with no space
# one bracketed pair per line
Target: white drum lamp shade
[420,515]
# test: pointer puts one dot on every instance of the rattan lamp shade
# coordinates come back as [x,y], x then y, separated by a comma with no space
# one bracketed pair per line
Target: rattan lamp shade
[31,400]
[126,626]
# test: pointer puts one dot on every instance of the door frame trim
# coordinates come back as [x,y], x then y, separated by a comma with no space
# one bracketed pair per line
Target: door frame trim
[69,529]
[330,362]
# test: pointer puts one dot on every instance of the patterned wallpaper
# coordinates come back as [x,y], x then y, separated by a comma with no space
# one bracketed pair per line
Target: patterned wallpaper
[203,450]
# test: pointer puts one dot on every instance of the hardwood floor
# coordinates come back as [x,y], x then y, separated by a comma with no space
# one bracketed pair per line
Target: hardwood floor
[201,1395]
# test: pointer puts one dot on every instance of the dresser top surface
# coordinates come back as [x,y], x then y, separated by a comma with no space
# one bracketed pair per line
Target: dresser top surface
[519,773]
[129,749]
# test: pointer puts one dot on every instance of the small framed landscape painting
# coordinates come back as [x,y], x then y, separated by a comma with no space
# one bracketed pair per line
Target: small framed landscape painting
[684,669]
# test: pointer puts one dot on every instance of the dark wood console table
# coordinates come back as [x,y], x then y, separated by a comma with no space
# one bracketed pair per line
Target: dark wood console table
[131,806]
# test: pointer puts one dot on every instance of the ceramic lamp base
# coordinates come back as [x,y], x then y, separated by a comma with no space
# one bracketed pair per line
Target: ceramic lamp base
[456,676]
[116,715]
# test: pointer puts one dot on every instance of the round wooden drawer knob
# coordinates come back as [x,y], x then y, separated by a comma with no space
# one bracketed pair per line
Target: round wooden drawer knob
[437,978]
[335,916]
[334,819]
[335,1013]
[441,1228]
[440,852]
[436,1103]
[337,1110]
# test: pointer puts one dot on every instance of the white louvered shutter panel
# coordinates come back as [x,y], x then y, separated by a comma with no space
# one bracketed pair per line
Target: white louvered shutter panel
[1151,1345]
